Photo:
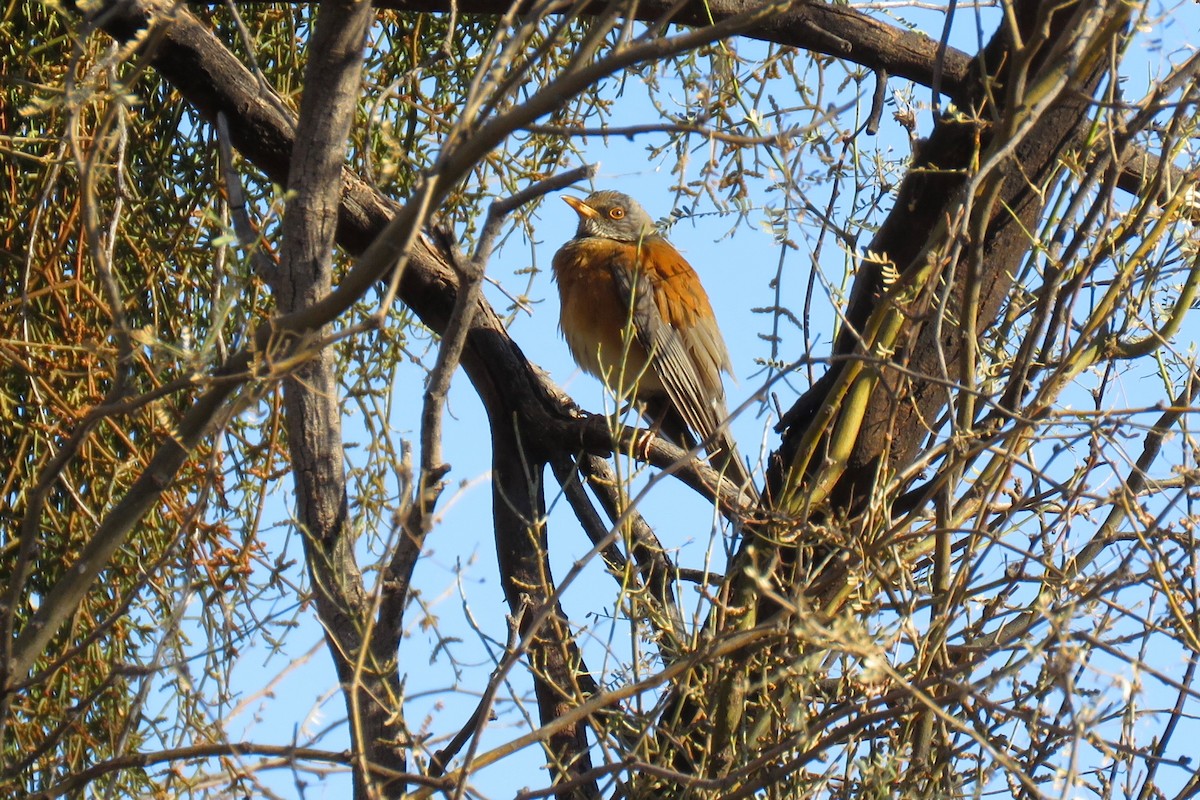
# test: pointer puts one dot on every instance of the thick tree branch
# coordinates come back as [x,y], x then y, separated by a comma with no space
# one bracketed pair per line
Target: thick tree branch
[365,662]
[831,29]
[897,418]
[561,681]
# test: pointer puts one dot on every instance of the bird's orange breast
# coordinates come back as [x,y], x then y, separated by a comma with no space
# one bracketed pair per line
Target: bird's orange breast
[595,318]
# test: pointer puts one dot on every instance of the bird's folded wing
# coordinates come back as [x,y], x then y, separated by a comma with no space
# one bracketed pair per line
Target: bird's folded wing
[687,375]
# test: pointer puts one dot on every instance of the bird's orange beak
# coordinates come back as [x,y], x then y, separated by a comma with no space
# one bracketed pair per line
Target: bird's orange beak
[581,208]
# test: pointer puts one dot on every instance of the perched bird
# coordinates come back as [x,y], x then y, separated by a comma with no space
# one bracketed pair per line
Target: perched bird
[634,314]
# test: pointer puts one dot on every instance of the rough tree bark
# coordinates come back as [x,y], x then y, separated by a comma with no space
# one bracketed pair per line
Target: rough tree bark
[366,661]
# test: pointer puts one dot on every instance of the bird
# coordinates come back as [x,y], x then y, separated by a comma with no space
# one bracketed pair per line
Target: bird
[635,315]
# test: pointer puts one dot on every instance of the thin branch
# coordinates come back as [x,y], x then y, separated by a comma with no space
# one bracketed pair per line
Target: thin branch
[878,99]
[630,131]
[286,754]
[248,237]
[418,519]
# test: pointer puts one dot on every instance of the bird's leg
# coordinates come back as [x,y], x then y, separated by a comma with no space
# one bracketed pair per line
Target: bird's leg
[644,436]
[664,420]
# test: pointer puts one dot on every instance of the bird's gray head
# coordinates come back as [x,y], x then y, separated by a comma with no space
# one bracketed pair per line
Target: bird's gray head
[611,215]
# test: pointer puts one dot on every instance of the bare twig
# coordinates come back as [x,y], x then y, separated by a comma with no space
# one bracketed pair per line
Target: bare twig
[248,237]
[878,100]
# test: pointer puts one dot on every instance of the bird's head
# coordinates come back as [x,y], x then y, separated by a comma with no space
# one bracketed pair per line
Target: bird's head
[612,215]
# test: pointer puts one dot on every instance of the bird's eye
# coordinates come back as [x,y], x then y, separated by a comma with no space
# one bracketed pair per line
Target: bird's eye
[616,213]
